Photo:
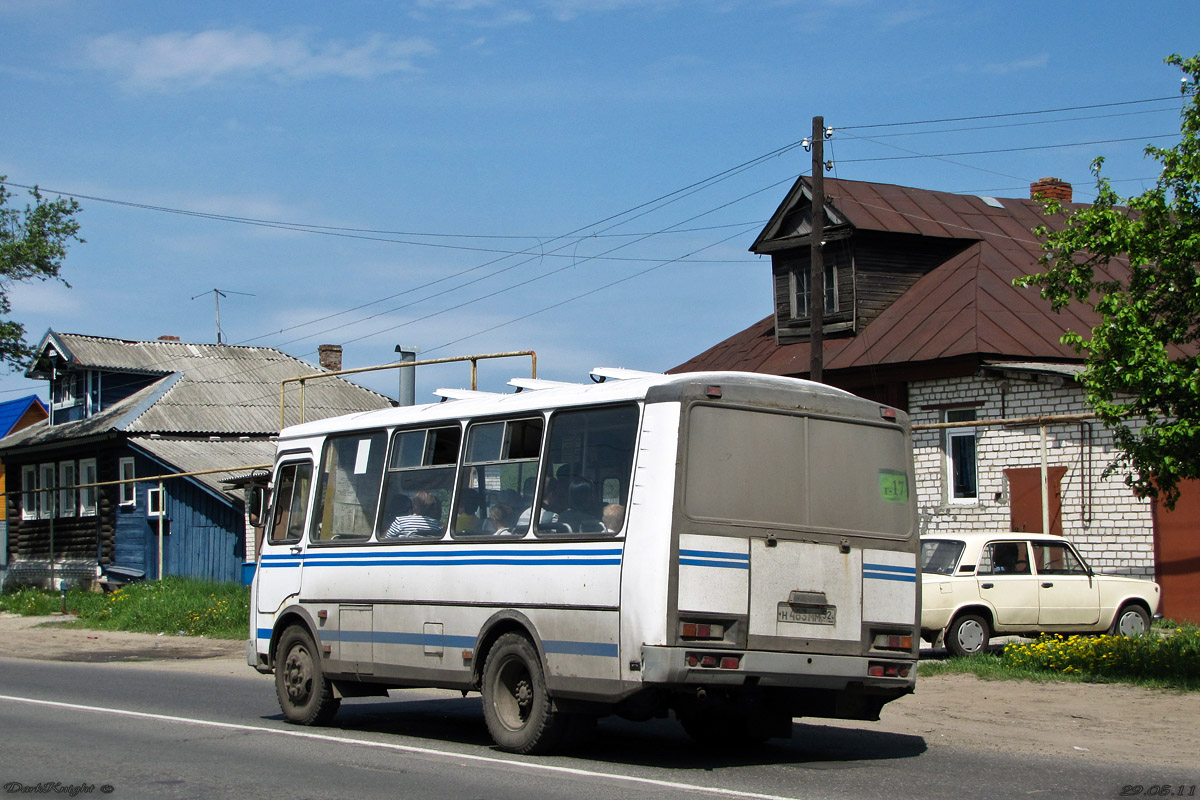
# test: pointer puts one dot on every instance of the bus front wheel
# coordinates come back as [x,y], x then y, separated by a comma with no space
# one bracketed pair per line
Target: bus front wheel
[516,705]
[305,695]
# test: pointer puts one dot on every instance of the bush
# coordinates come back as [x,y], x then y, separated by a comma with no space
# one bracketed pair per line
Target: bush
[1172,659]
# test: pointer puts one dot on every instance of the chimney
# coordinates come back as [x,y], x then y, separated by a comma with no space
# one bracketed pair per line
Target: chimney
[168,338]
[330,357]
[1053,188]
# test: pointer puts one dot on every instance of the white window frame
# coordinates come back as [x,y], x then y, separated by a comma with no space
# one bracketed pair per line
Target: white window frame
[953,435]
[88,498]
[29,493]
[46,504]
[154,497]
[68,495]
[127,491]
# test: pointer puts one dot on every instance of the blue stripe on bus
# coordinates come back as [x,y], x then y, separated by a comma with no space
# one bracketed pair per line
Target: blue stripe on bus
[888,572]
[714,558]
[606,557]
[891,568]
[715,554]
[602,649]
[696,562]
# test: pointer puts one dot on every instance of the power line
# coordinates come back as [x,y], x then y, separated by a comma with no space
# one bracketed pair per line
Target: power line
[1005,114]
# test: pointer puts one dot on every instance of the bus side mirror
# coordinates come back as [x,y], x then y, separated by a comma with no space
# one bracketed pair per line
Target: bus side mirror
[256,502]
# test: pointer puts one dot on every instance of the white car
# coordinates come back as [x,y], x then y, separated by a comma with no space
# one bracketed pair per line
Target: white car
[976,586]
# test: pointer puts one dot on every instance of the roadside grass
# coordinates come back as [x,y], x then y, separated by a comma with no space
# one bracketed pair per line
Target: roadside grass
[1166,658]
[174,605]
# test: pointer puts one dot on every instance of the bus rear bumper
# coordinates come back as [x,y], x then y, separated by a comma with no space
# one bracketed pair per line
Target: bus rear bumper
[679,666]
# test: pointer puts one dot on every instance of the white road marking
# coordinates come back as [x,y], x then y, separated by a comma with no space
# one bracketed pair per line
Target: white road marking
[403,748]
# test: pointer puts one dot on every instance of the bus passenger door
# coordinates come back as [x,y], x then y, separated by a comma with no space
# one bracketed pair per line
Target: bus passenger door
[282,559]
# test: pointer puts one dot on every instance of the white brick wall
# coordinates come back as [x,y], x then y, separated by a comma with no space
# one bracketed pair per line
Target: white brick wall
[1112,528]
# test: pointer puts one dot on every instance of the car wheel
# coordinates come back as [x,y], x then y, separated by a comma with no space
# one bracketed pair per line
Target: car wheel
[1131,620]
[517,708]
[967,635]
[305,694]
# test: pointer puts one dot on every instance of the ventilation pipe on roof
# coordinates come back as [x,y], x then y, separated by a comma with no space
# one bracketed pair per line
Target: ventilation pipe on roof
[408,375]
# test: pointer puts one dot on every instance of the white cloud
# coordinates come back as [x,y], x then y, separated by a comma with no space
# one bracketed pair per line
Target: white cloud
[189,60]
[1017,65]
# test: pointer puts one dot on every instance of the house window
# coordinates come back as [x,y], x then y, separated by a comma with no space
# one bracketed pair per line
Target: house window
[67,493]
[29,493]
[154,502]
[802,292]
[87,496]
[46,498]
[961,466]
[128,493]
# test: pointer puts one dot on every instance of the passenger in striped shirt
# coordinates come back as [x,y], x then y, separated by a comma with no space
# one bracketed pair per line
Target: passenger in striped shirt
[425,519]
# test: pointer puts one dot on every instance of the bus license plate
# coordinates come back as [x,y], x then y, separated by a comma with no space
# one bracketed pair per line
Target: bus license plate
[811,615]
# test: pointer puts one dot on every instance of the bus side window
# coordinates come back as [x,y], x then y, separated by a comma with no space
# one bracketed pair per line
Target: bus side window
[291,502]
[348,488]
[420,479]
[500,462]
[591,451]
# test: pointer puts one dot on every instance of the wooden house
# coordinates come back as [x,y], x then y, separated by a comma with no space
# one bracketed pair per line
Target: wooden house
[132,410]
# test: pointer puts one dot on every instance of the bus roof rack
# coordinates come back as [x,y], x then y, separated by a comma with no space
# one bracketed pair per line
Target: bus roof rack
[621,374]
[539,383]
[464,394]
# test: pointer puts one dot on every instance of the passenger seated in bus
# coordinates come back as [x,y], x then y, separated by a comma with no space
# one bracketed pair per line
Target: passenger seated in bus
[425,519]
[581,514]
[468,520]
[500,518]
[552,503]
[613,517]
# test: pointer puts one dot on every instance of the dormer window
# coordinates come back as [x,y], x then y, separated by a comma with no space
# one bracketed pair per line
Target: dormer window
[801,292]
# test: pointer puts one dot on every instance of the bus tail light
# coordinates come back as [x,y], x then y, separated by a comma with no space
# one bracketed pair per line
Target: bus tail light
[701,630]
[714,660]
[879,669]
[889,641]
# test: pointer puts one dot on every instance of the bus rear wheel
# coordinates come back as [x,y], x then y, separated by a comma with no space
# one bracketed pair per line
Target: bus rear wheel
[305,695]
[517,707]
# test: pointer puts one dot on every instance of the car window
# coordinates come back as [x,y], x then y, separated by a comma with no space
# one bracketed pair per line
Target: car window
[940,556]
[1004,558]
[1056,558]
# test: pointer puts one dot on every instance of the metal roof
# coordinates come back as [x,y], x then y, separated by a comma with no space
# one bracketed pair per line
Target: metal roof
[200,455]
[11,411]
[213,389]
[967,305]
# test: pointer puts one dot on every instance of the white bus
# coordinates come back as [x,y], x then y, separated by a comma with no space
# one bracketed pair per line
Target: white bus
[739,549]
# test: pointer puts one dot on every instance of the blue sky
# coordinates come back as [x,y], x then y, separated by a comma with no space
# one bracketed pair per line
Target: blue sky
[577,177]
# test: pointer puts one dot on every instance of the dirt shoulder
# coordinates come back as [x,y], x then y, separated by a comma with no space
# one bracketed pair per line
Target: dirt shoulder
[1116,724]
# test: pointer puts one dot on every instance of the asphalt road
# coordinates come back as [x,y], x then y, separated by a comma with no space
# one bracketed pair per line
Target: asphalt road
[158,733]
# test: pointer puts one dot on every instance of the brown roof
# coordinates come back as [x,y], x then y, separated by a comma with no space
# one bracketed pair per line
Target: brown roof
[966,306]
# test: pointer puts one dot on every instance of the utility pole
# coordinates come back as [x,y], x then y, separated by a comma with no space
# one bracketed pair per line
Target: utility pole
[816,276]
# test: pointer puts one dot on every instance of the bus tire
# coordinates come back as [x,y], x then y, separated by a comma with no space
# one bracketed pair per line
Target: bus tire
[516,704]
[305,694]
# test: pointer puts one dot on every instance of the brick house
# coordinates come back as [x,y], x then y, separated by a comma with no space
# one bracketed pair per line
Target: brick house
[124,410]
[920,313]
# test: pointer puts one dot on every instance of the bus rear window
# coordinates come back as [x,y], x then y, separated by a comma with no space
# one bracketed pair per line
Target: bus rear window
[765,469]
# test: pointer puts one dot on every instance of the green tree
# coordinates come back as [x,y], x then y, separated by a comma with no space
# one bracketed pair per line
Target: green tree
[1142,375]
[33,244]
